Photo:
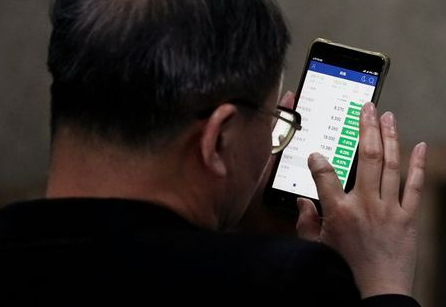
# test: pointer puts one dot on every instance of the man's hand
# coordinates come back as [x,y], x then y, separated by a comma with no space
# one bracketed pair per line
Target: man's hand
[371,227]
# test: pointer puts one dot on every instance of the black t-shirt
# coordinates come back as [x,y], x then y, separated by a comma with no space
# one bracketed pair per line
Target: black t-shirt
[73,252]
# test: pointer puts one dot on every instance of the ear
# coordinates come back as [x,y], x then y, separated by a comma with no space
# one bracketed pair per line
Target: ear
[214,140]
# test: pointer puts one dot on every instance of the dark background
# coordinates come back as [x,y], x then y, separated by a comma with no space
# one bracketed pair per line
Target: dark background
[410,32]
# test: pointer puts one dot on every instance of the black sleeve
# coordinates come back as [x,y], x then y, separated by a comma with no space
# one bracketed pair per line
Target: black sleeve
[326,280]
[393,300]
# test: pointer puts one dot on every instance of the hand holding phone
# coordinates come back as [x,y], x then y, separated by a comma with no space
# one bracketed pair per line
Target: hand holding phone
[336,82]
[363,217]
[370,226]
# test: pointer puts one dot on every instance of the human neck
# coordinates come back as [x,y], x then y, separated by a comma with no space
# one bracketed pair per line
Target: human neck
[171,179]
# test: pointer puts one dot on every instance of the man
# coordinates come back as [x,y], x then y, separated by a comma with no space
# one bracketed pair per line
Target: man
[162,113]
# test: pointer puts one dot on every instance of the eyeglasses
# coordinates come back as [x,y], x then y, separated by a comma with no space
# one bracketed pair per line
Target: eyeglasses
[284,128]
[286,123]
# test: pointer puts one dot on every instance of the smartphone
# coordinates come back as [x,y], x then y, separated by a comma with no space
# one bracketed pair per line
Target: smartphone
[336,82]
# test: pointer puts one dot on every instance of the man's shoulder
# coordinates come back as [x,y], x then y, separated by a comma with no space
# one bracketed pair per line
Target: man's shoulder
[108,244]
[142,227]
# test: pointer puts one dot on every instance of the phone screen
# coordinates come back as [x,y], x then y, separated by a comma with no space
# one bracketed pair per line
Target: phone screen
[330,100]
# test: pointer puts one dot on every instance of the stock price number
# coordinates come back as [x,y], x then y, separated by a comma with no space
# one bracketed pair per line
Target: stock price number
[333,128]
[327,147]
[329,138]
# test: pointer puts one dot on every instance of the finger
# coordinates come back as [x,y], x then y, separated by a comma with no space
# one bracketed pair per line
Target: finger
[308,226]
[288,100]
[328,186]
[415,179]
[390,180]
[370,153]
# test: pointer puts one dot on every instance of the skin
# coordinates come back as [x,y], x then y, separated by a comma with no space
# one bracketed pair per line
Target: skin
[374,231]
[373,227]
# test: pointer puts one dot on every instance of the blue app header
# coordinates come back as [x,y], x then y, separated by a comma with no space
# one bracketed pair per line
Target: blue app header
[343,73]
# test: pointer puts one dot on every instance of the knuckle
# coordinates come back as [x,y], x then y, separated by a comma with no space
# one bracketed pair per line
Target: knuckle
[347,217]
[415,188]
[408,223]
[391,164]
[420,165]
[373,154]
[391,134]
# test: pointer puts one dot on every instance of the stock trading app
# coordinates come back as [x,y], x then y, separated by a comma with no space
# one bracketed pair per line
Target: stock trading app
[330,104]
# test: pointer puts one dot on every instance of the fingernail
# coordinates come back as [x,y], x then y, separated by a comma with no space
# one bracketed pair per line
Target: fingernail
[369,109]
[316,156]
[289,94]
[422,149]
[300,203]
[389,119]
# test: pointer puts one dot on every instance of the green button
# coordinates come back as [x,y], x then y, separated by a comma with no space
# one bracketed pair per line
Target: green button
[354,112]
[341,162]
[351,122]
[342,173]
[344,152]
[347,142]
[355,104]
[350,132]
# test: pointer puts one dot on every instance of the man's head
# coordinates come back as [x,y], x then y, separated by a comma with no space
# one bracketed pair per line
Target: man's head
[140,76]
[137,71]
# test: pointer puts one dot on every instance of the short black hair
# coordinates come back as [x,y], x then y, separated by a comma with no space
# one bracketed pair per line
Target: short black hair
[135,71]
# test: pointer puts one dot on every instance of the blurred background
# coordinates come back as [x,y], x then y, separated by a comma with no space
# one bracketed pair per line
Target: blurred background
[410,32]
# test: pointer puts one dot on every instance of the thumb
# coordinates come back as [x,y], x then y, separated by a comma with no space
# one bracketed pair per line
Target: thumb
[288,100]
[308,225]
